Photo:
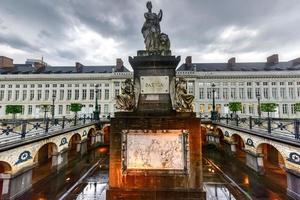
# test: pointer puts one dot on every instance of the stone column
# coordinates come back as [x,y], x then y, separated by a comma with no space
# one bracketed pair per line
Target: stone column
[293,183]
[20,182]
[5,185]
[60,159]
[255,161]
[83,147]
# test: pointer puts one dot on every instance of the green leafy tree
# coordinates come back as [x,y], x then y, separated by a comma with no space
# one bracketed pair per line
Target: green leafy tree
[13,109]
[75,107]
[297,107]
[268,107]
[235,106]
[45,108]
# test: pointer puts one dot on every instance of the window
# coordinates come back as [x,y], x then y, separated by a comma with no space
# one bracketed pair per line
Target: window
[106,85]
[225,93]
[9,86]
[2,86]
[266,93]
[68,109]
[117,84]
[249,93]
[265,83]
[281,83]
[29,110]
[251,109]
[60,109]
[31,97]
[249,84]
[241,93]
[54,85]
[209,93]
[257,92]
[201,93]
[69,85]
[1,95]
[24,86]
[40,85]
[106,94]
[282,93]
[217,93]
[47,85]
[273,83]
[99,94]
[105,108]
[84,85]
[284,108]
[257,83]
[76,94]
[117,92]
[84,94]
[291,93]
[233,93]
[47,94]
[62,85]
[92,94]
[274,93]
[9,94]
[293,109]
[39,94]
[61,94]
[298,92]
[290,83]
[54,93]
[18,86]
[76,85]
[190,87]
[69,95]
[17,95]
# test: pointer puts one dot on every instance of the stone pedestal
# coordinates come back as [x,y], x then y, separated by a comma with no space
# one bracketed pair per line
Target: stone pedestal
[293,184]
[20,183]
[255,162]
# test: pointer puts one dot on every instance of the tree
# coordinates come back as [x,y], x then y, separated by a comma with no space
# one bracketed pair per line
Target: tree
[268,107]
[75,107]
[235,106]
[13,109]
[45,108]
[297,107]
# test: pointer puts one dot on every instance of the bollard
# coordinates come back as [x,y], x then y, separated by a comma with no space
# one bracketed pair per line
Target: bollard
[47,126]
[23,133]
[63,122]
[226,118]
[84,119]
[269,125]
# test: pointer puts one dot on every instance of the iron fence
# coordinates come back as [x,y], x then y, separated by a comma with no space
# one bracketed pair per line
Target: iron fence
[12,130]
[278,127]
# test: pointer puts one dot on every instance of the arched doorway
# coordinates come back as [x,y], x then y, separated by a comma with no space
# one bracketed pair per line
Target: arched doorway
[273,163]
[91,138]
[45,161]
[237,147]
[74,146]
[5,171]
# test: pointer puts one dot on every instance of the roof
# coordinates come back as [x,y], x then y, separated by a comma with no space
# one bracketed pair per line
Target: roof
[29,69]
[247,66]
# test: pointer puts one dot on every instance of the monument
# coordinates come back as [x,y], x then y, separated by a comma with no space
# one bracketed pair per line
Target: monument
[155,138]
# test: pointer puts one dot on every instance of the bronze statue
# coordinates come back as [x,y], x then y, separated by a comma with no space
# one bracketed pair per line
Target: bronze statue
[125,101]
[183,101]
[154,40]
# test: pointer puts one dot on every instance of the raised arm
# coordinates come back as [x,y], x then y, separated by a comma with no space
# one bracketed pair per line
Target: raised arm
[160,14]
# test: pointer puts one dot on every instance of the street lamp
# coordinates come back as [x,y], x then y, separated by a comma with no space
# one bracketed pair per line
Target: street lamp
[258,106]
[214,113]
[53,108]
[96,112]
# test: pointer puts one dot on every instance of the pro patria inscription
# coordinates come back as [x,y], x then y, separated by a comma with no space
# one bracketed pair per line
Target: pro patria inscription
[154,84]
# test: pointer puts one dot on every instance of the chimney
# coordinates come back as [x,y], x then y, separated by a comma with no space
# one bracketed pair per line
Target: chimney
[296,61]
[231,62]
[6,62]
[119,65]
[188,62]
[79,67]
[273,59]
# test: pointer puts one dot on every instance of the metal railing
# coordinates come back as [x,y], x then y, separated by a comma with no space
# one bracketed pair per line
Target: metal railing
[277,127]
[13,130]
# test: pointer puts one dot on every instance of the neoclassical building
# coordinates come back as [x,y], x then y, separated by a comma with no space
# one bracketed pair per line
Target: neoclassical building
[35,83]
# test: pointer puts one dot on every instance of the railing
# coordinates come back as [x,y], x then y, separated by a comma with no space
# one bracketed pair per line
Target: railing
[278,127]
[13,130]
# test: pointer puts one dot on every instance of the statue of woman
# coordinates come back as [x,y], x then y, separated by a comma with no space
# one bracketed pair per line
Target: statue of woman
[183,99]
[151,28]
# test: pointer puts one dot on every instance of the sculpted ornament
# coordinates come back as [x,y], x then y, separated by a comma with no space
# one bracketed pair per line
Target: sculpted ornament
[183,101]
[125,101]
[155,41]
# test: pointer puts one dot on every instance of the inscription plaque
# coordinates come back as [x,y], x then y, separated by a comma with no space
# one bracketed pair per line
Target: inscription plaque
[154,84]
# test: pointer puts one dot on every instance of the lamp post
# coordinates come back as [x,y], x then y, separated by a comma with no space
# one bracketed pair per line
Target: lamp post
[213,112]
[53,108]
[96,112]
[258,106]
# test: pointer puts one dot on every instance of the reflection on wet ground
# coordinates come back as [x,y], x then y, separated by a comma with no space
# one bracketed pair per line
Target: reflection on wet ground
[259,187]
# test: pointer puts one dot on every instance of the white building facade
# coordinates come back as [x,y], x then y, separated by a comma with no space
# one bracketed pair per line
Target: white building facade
[31,87]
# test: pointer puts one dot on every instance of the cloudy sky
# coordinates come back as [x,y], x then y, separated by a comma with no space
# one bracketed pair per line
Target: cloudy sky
[96,32]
